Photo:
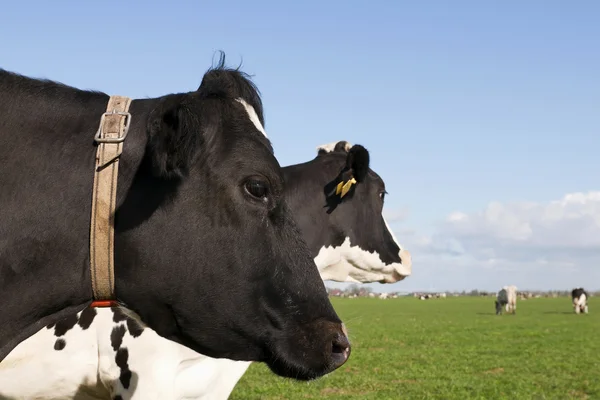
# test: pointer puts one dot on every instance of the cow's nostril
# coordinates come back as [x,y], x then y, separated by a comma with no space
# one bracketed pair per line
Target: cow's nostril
[340,349]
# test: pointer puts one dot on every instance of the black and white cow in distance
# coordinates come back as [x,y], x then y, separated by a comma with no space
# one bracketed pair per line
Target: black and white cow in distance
[207,252]
[105,352]
[506,297]
[579,298]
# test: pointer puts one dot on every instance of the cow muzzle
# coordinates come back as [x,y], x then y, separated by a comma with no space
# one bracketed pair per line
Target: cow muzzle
[317,349]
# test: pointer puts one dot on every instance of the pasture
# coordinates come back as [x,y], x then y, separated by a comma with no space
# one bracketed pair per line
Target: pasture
[453,348]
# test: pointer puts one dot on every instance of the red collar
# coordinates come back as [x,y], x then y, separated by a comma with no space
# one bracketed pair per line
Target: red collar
[104,303]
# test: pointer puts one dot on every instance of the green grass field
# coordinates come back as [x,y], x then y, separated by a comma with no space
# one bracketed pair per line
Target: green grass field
[453,348]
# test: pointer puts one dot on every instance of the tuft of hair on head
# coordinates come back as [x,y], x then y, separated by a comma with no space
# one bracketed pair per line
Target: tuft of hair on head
[221,81]
[334,147]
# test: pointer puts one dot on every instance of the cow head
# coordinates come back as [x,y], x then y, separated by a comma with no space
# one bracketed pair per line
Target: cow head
[339,211]
[207,251]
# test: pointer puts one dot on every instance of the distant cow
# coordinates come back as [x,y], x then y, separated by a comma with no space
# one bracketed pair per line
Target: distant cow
[579,297]
[507,297]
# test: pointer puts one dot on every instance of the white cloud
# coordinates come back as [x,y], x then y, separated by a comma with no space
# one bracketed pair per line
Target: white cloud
[548,245]
[565,229]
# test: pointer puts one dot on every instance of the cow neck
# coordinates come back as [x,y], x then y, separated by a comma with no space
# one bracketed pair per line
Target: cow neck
[113,129]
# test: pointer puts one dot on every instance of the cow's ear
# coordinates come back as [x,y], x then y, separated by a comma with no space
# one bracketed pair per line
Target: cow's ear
[173,137]
[355,171]
[357,162]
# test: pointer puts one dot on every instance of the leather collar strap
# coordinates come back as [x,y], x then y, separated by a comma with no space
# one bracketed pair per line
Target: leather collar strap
[114,125]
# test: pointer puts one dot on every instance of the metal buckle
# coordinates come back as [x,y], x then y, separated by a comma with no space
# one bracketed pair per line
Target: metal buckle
[120,139]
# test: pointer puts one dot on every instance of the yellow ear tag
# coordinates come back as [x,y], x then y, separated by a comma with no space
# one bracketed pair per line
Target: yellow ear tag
[338,189]
[347,186]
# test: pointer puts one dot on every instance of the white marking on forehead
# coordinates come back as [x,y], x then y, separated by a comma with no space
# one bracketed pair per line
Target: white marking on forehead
[253,116]
[330,146]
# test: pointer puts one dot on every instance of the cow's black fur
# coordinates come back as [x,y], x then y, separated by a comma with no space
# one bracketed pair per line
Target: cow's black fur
[206,250]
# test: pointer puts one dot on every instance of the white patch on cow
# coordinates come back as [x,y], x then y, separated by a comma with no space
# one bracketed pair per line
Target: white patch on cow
[511,292]
[580,304]
[253,116]
[167,370]
[328,148]
[208,378]
[347,263]
[34,370]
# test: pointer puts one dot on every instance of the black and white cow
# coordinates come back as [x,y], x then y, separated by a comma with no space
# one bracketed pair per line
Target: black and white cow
[506,297]
[207,252]
[579,298]
[81,354]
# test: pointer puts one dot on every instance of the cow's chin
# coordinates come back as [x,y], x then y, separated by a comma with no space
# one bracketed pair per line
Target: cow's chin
[322,348]
[297,372]
[290,369]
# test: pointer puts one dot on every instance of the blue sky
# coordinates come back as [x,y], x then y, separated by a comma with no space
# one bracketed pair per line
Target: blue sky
[471,110]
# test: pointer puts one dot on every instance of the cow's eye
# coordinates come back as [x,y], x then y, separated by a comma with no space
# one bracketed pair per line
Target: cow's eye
[382,195]
[258,189]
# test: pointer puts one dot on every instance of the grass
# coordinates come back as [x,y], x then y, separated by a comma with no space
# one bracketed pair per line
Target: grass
[453,348]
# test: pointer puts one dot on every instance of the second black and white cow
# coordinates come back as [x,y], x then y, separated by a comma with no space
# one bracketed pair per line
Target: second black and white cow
[108,352]
[579,298]
[338,201]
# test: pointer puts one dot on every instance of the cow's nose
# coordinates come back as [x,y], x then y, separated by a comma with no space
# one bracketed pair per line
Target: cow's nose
[340,349]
